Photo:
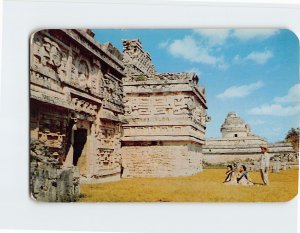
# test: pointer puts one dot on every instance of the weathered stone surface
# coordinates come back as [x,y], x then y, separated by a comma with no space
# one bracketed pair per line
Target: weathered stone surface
[161,160]
[48,181]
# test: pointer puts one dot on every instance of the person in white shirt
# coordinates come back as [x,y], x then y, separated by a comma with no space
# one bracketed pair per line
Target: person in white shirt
[264,165]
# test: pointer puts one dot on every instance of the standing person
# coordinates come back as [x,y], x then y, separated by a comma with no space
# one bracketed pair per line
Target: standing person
[264,165]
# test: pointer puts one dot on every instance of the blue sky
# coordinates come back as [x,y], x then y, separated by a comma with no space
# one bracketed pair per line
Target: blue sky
[254,72]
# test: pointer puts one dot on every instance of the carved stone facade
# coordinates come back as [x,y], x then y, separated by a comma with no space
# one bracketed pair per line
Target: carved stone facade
[239,143]
[106,112]
[76,97]
[166,118]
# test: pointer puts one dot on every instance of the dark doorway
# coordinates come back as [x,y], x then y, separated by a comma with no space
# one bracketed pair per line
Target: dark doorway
[80,136]
[235,135]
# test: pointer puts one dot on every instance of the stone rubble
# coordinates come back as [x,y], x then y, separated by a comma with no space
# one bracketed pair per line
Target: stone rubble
[49,181]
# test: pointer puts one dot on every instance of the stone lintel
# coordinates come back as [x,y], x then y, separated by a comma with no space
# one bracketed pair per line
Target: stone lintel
[248,138]
[81,92]
[85,95]
[112,77]
[163,89]
[108,115]
[158,124]
[113,107]
[49,96]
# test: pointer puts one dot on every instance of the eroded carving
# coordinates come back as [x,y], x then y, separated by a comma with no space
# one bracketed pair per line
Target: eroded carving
[81,105]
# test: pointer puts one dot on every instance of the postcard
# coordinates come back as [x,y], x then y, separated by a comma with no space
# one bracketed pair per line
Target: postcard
[164,115]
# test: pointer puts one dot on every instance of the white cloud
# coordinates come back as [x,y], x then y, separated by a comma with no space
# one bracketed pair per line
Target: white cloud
[237,59]
[259,57]
[215,36]
[240,91]
[248,34]
[189,49]
[219,36]
[292,96]
[280,107]
[163,44]
[276,110]
[203,48]
[255,56]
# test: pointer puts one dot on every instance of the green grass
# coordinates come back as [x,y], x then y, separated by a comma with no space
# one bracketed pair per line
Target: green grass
[202,187]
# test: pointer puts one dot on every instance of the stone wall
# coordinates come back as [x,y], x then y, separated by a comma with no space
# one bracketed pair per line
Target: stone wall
[165,160]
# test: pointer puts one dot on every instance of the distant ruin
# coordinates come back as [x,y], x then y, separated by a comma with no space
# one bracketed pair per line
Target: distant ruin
[108,114]
[239,143]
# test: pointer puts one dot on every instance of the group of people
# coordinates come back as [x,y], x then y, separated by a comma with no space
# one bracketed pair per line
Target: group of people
[242,176]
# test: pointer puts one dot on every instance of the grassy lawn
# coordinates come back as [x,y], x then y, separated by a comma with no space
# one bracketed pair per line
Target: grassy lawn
[202,187]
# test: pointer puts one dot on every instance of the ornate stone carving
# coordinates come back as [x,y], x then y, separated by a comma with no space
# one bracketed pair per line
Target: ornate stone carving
[81,105]
[96,79]
[83,74]
[80,73]
[113,94]
[134,55]
[105,157]
[52,131]
[49,58]
[94,47]
[51,54]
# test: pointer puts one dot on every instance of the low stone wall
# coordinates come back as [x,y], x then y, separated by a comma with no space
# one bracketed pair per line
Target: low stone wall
[161,161]
[229,158]
[278,162]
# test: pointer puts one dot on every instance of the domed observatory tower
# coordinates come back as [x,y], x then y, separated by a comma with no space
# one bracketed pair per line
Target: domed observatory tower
[238,143]
[234,127]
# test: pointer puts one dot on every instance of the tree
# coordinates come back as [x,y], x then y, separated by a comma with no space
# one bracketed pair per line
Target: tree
[293,138]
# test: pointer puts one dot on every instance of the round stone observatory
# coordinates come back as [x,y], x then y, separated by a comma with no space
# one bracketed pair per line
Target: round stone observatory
[238,143]
[234,127]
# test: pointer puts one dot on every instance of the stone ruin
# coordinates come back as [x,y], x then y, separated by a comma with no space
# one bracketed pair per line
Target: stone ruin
[49,180]
[166,118]
[238,143]
[108,114]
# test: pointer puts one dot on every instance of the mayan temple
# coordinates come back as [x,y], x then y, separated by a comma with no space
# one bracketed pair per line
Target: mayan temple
[166,118]
[239,143]
[102,114]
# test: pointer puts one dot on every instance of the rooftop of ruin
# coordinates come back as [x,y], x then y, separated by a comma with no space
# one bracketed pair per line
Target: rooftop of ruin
[234,124]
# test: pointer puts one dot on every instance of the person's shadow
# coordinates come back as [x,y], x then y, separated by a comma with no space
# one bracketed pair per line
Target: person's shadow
[256,183]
